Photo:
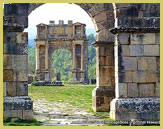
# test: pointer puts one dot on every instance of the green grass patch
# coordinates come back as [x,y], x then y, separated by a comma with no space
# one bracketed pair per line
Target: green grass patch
[75,95]
[20,122]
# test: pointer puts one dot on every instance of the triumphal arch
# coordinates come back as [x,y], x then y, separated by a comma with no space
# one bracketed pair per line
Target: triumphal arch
[127,59]
[70,36]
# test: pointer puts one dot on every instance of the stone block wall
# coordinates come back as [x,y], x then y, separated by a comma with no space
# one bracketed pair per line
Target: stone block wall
[16,102]
[137,55]
[139,70]
[103,94]
[15,50]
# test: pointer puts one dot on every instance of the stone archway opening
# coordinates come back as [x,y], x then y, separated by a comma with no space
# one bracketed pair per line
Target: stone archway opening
[104,92]
[69,29]
[61,66]
[106,56]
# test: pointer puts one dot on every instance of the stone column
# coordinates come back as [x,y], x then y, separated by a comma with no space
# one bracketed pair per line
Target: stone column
[105,86]
[46,57]
[16,102]
[82,64]
[86,62]
[50,65]
[37,71]
[74,57]
[46,73]
[37,57]
[82,57]
[74,69]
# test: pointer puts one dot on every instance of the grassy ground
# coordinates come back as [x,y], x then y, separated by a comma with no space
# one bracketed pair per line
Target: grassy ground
[22,123]
[75,95]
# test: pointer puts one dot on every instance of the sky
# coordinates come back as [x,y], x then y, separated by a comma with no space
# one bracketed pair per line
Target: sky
[56,12]
[59,11]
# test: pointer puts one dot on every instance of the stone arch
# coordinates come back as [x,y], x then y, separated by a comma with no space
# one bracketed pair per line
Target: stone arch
[102,15]
[136,29]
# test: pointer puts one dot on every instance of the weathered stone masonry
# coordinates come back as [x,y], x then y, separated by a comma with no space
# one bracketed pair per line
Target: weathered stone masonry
[55,36]
[127,57]
[16,102]
[137,59]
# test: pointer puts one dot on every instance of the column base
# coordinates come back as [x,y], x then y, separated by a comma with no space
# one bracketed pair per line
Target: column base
[18,107]
[145,109]
[101,98]
[74,81]
[81,80]
[46,74]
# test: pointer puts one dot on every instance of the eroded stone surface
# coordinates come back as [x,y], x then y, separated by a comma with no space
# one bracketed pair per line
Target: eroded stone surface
[136,108]
[63,114]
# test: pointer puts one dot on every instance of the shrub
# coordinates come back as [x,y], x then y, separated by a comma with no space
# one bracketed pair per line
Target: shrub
[35,83]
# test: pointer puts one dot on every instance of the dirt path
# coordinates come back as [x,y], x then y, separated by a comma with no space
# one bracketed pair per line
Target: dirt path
[63,114]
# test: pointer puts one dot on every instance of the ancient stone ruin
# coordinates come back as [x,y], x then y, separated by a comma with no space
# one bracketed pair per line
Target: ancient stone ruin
[127,57]
[56,36]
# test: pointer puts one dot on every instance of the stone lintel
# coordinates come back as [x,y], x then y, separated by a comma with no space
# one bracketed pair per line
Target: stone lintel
[98,43]
[135,108]
[135,30]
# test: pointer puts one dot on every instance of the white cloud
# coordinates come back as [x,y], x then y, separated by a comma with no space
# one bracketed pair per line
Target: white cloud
[59,11]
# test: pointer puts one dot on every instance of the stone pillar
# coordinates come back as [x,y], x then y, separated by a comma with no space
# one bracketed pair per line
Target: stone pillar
[105,86]
[46,73]
[37,72]
[46,56]
[137,74]
[86,62]
[50,65]
[37,57]
[74,69]
[16,102]
[82,64]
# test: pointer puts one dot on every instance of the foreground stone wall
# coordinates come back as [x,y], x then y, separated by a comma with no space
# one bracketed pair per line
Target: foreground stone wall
[139,70]
[16,102]
[137,63]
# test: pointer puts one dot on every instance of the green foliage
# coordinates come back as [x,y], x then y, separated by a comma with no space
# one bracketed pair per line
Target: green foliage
[31,60]
[35,83]
[62,63]
[91,57]
[20,122]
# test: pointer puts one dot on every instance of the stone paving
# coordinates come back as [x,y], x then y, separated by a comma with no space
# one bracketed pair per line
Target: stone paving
[63,114]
